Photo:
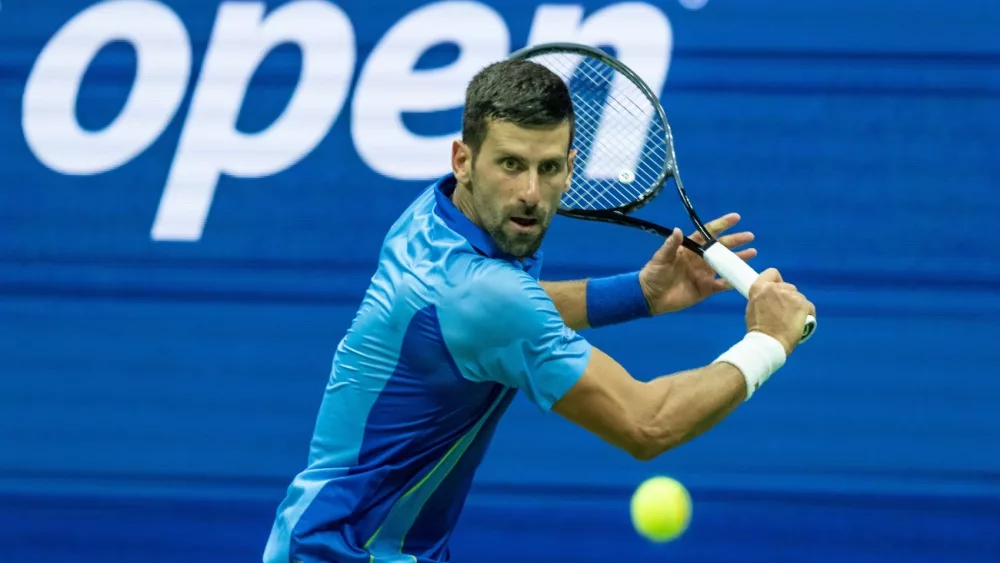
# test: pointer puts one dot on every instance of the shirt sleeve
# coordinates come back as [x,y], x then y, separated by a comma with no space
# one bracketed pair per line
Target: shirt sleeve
[501,326]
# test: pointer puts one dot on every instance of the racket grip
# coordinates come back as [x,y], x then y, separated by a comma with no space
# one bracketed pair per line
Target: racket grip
[741,275]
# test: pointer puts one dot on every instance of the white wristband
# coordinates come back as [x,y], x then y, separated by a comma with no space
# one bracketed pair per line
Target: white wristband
[757,356]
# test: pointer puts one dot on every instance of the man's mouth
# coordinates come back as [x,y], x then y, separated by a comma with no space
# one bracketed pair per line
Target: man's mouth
[524,222]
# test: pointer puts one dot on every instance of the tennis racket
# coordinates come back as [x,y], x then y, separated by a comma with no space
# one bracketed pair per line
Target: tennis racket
[625,153]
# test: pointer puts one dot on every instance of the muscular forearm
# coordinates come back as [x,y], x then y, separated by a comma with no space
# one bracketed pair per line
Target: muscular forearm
[686,404]
[648,418]
[570,299]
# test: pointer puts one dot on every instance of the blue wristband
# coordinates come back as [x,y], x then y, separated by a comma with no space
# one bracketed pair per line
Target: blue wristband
[615,299]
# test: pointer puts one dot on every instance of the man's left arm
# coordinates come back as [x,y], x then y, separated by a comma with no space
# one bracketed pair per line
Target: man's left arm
[673,279]
[595,302]
[570,299]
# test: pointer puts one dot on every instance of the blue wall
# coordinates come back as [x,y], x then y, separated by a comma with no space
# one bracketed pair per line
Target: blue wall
[858,140]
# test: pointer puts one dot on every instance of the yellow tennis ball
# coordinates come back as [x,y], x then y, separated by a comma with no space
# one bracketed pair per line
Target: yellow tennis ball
[661,509]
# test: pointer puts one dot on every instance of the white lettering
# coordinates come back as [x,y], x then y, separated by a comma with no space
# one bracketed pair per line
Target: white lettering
[210,144]
[389,86]
[49,121]
[642,38]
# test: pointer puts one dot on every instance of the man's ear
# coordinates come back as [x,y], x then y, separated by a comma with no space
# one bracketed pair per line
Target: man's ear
[461,162]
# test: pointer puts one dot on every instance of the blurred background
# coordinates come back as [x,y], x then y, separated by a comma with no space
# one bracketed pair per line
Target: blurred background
[193,195]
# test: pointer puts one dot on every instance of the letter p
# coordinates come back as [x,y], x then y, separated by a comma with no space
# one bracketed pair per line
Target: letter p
[210,145]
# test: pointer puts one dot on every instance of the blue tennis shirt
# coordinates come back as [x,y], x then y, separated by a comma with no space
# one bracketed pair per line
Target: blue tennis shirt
[449,330]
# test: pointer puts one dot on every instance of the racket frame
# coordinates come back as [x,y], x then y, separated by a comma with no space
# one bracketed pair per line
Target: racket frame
[621,215]
[725,262]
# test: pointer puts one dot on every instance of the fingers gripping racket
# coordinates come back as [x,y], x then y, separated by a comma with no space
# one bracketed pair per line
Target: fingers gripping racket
[625,153]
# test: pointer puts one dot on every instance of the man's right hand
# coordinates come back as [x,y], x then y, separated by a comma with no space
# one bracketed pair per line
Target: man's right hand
[777,309]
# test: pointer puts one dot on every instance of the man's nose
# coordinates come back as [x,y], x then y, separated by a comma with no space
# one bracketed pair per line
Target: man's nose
[531,194]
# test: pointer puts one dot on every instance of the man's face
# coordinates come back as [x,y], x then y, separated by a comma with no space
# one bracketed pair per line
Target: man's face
[517,180]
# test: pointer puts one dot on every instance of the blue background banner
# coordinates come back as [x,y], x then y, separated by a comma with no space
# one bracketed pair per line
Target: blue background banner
[193,195]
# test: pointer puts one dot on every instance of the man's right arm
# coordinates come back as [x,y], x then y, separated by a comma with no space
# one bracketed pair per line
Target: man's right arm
[648,418]
[503,327]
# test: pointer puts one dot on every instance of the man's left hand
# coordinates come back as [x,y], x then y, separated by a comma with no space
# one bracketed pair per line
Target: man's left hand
[676,278]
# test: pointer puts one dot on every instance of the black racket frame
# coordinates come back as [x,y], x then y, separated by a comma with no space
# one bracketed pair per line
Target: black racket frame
[621,215]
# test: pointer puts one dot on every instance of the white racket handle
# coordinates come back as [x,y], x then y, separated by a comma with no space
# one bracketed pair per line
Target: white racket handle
[741,275]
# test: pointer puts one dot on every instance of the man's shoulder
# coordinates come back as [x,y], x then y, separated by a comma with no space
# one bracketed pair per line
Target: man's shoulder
[485,280]
[492,299]
[415,214]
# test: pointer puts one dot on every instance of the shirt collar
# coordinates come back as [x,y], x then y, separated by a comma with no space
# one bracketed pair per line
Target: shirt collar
[457,221]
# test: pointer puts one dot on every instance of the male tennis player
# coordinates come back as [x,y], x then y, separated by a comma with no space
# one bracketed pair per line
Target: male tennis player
[455,323]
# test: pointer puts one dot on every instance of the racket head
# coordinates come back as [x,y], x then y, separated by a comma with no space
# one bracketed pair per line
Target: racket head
[625,152]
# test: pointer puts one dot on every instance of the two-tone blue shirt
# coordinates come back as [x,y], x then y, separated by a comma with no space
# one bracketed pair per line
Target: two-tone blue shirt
[450,329]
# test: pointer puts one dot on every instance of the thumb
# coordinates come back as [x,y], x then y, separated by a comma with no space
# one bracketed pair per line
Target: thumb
[668,251]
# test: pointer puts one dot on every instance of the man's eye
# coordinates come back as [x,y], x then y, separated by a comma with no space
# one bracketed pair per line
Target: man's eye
[510,164]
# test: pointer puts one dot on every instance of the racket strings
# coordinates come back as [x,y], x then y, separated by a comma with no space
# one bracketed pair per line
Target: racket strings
[586,191]
[591,193]
[620,140]
[588,194]
[613,128]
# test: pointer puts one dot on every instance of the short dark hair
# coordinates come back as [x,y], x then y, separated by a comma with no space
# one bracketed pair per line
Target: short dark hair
[520,92]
